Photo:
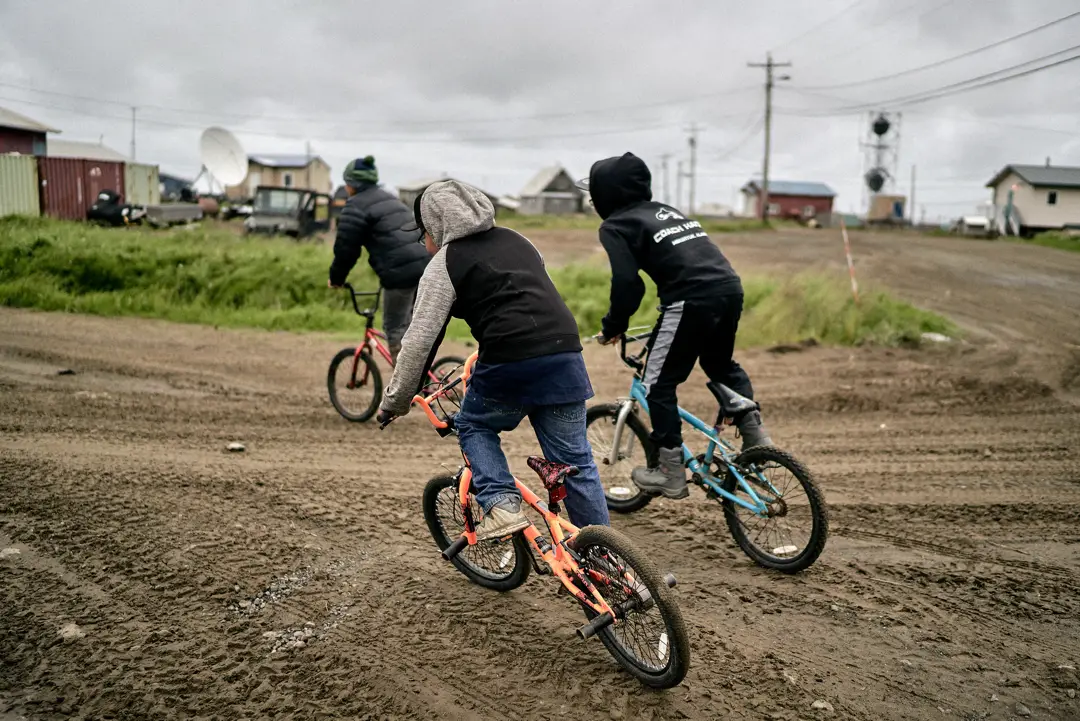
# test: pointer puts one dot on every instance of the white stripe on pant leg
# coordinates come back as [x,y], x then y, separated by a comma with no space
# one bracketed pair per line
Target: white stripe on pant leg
[664,337]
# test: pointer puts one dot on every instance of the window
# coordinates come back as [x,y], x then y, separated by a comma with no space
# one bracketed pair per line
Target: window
[774,209]
[809,211]
[1051,198]
[286,180]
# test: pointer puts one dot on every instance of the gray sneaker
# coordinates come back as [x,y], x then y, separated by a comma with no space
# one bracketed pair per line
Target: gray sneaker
[668,479]
[504,519]
[752,431]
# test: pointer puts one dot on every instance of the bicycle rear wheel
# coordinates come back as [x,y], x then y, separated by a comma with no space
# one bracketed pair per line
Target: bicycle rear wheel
[650,641]
[635,449]
[792,533]
[498,565]
[355,386]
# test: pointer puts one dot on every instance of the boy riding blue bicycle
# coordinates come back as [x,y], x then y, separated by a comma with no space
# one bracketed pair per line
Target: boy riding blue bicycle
[701,300]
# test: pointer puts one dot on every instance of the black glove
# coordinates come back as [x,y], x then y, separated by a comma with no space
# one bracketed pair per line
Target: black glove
[384,418]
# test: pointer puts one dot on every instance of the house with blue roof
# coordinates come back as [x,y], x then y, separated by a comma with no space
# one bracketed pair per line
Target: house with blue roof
[790,200]
[289,170]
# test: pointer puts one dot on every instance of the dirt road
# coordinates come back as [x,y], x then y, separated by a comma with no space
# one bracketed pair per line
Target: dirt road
[147,573]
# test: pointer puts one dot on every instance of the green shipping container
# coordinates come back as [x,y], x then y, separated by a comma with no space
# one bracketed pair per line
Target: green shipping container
[141,184]
[19,193]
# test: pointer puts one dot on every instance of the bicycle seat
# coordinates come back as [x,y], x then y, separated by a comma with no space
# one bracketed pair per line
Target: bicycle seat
[551,473]
[732,404]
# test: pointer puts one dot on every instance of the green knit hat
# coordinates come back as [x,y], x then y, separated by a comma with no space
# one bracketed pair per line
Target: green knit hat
[361,171]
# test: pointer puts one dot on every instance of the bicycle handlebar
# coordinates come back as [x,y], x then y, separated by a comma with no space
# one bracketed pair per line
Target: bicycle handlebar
[636,361]
[444,426]
[355,295]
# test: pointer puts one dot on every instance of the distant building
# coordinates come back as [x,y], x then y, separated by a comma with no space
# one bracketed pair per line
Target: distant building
[288,171]
[551,192]
[173,187]
[791,200]
[79,149]
[407,192]
[1029,199]
[23,135]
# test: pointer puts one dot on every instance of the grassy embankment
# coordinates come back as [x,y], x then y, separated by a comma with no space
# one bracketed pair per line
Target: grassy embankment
[214,277]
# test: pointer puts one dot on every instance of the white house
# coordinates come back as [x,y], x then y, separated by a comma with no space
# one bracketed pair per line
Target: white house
[1029,199]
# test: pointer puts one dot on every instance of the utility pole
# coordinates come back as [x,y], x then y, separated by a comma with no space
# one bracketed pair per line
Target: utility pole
[664,169]
[911,200]
[769,66]
[133,133]
[692,141]
[678,183]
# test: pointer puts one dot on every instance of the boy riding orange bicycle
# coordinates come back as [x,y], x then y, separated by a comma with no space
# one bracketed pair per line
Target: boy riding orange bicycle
[530,363]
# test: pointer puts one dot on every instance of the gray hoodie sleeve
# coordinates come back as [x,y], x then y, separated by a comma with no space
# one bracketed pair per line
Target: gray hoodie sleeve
[435,298]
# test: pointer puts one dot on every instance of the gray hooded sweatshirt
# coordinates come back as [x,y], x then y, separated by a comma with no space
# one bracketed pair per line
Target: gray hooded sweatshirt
[491,277]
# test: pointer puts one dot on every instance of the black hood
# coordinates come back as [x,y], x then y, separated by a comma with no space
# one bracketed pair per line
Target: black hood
[615,183]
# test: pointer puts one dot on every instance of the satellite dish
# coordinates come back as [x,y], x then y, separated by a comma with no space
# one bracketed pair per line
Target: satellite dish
[875,179]
[222,156]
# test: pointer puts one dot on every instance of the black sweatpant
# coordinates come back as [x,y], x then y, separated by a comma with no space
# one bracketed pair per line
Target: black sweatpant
[686,333]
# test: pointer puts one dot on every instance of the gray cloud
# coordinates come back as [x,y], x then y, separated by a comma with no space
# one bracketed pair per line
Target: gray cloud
[428,87]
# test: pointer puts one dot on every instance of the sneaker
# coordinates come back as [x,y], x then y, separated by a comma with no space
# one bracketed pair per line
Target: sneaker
[504,518]
[752,432]
[667,479]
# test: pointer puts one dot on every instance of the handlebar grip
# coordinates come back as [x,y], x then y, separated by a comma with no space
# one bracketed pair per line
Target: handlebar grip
[594,626]
[455,548]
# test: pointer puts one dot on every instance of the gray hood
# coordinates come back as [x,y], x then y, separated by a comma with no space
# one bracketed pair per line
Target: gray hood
[452,209]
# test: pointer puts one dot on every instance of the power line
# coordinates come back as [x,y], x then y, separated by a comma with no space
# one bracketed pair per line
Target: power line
[962,86]
[404,123]
[948,60]
[738,145]
[881,24]
[369,139]
[815,28]
[810,113]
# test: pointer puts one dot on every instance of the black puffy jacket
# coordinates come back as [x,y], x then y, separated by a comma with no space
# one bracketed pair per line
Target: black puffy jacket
[373,219]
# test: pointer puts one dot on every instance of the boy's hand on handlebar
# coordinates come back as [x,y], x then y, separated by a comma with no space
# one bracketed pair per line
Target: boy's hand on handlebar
[604,340]
[384,418]
[330,284]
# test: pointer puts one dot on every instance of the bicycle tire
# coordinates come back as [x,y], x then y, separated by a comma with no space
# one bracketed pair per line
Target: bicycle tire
[374,380]
[638,500]
[675,644]
[818,511]
[517,574]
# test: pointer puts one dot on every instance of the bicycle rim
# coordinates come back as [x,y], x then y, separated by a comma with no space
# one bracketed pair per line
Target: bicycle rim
[619,490]
[490,560]
[791,533]
[355,385]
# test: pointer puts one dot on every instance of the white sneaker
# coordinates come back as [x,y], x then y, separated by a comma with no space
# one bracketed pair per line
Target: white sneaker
[504,519]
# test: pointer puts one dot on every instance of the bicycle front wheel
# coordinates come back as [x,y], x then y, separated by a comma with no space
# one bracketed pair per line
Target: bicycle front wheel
[355,385]
[791,533]
[651,640]
[635,449]
[498,565]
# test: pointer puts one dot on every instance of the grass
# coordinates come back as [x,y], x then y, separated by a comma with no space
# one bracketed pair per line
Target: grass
[524,223]
[212,276]
[1059,240]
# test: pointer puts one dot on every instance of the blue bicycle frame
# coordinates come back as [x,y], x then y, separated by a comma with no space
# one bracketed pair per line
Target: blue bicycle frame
[701,468]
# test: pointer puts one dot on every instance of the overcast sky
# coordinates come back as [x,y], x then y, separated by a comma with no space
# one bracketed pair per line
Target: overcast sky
[493,91]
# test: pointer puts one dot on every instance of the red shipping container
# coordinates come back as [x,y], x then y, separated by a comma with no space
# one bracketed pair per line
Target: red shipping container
[69,186]
[63,188]
[103,175]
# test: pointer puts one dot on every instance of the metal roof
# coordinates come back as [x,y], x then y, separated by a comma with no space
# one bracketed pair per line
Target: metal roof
[284,160]
[1041,176]
[11,119]
[793,187]
[542,180]
[78,149]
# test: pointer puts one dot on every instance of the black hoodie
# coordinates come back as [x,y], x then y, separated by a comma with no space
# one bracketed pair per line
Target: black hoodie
[639,234]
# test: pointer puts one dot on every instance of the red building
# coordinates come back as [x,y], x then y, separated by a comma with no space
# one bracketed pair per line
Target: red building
[790,200]
[20,134]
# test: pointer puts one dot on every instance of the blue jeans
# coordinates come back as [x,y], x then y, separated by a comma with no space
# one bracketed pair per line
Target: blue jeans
[561,432]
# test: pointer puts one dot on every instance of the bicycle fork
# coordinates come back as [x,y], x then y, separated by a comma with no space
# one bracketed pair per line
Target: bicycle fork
[628,406]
